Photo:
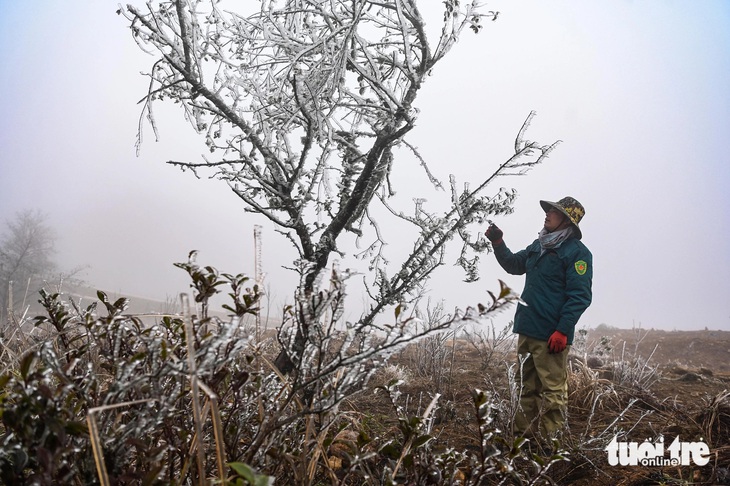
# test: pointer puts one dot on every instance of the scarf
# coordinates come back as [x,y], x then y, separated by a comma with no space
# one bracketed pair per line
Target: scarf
[550,241]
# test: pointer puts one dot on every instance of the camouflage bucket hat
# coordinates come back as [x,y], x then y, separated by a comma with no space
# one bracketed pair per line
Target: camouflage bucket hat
[569,207]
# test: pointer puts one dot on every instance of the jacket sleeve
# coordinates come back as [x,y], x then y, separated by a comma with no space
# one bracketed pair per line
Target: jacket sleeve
[578,283]
[512,263]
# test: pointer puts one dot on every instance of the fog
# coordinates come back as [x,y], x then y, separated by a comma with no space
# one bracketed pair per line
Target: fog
[636,92]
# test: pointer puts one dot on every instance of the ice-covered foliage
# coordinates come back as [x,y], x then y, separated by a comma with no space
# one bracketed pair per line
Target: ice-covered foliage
[305,106]
[105,394]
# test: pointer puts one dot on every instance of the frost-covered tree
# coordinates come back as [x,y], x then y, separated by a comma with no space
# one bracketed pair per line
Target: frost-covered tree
[305,106]
[26,257]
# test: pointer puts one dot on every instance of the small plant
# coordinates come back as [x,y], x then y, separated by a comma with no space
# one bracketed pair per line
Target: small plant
[604,347]
[714,419]
[429,357]
[491,343]
[580,342]
[43,438]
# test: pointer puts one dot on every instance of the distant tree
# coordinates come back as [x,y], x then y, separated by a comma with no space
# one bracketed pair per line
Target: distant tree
[27,246]
[304,105]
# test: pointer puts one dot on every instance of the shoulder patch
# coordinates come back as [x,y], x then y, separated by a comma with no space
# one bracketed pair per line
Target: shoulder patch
[581,267]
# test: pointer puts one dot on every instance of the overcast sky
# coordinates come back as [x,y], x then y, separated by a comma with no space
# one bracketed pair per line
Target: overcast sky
[636,90]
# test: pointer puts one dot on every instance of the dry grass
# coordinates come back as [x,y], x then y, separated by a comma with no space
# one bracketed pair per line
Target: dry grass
[625,393]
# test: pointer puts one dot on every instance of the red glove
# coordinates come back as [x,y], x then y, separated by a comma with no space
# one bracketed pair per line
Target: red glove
[557,342]
[494,235]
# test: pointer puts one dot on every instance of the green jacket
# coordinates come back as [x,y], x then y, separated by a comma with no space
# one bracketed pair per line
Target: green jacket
[557,287]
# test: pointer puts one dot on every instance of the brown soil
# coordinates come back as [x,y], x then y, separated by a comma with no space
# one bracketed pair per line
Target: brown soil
[689,373]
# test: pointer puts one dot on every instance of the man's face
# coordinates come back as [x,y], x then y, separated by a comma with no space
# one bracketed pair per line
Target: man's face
[554,220]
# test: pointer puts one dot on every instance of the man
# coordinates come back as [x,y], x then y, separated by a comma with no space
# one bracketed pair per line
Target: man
[559,271]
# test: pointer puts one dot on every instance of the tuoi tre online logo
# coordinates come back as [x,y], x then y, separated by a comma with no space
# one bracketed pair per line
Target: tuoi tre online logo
[653,453]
